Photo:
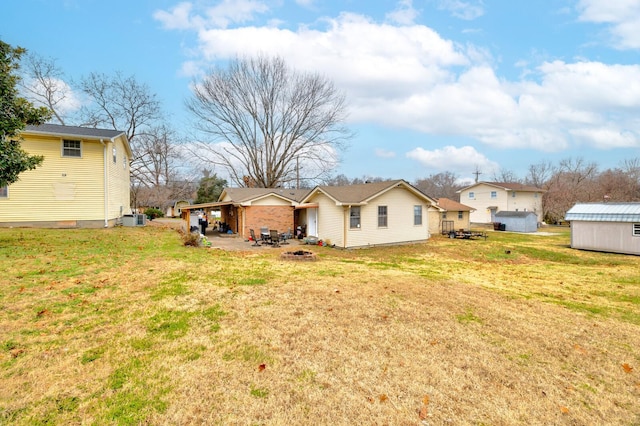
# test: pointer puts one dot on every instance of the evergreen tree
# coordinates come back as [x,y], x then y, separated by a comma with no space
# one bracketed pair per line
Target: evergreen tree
[15,114]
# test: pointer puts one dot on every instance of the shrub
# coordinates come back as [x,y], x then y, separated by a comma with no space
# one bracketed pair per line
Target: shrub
[153,213]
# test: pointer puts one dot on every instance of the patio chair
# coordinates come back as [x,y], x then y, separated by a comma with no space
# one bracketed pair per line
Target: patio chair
[264,235]
[253,237]
[274,237]
[286,236]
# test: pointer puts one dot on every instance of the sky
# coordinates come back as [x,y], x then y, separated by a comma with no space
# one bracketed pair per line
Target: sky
[432,85]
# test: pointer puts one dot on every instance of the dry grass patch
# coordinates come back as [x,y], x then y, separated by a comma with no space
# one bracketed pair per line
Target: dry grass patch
[130,326]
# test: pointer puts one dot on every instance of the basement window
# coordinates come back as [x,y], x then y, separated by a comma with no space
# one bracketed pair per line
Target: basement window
[71,148]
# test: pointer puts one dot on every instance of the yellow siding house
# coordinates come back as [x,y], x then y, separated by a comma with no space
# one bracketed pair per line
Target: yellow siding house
[82,183]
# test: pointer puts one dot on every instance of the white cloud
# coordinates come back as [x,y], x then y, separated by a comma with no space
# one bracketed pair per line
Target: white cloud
[65,99]
[467,10]
[623,16]
[405,13]
[450,158]
[226,12]
[410,77]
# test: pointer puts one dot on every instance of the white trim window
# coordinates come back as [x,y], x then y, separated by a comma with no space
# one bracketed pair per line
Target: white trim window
[354,217]
[460,215]
[636,229]
[494,194]
[71,148]
[472,195]
[417,215]
[115,155]
[382,216]
[4,191]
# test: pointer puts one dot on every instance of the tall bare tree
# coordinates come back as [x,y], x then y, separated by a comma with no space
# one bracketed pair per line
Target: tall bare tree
[264,119]
[120,103]
[44,83]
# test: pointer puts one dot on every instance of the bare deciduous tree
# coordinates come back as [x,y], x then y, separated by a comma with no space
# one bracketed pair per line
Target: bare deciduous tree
[440,185]
[264,119]
[44,83]
[120,103]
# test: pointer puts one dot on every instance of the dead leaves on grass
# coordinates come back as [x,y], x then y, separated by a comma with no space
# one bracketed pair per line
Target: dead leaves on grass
[627,368]
[423,412]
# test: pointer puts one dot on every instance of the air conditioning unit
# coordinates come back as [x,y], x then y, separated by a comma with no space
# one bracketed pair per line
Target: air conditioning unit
[134,220]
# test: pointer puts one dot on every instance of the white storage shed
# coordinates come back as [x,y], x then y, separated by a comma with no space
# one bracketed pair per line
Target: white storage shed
[608,227]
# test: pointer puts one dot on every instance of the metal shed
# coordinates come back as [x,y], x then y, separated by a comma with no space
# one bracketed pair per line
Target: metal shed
[518,221]
[608,227]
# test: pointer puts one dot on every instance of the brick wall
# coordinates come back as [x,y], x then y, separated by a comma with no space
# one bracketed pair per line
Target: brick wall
[272,217]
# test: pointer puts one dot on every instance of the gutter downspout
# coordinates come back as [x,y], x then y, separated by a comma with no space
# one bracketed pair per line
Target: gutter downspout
[106,185]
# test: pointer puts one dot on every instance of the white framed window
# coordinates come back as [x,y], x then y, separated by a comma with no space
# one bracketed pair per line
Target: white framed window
[472,195]
[513,194]
[4,191]
[71,148]
[124,163]
[115,155]
[382,216]
[354,217]
[417,215]
[636,229]
[460,216]
[494,194]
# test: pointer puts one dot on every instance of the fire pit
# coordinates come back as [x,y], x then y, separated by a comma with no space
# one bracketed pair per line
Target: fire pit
[298,255]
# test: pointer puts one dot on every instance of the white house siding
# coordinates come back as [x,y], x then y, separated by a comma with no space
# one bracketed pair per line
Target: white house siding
[271,200]
[400,203]
[119,188]
[331,220]
[61,189]
[615,237]
[504,201]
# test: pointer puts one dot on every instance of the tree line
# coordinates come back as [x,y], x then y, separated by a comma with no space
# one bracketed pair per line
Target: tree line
[565,183]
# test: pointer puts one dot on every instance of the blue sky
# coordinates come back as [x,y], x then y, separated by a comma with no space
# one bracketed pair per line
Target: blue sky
[432,85]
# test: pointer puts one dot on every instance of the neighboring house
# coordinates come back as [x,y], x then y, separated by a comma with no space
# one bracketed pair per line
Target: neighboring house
[369,214]
[83,181]
[608,227]
[488,198]
[242,209]
[175,209]
[517,221]
[455,216]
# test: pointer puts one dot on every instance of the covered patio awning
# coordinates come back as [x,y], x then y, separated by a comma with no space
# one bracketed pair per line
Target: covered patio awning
[207,205]
[306,206]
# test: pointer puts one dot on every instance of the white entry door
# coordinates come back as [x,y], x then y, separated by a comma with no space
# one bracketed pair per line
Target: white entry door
[312,222]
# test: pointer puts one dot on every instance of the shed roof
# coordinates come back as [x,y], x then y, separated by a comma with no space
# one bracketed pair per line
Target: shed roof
[604,212]
[506,213]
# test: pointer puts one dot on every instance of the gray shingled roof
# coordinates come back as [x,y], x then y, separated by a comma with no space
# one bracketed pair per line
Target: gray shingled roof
[361,193]
[240,195]
[604,212]
[83,132]
[507,186]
